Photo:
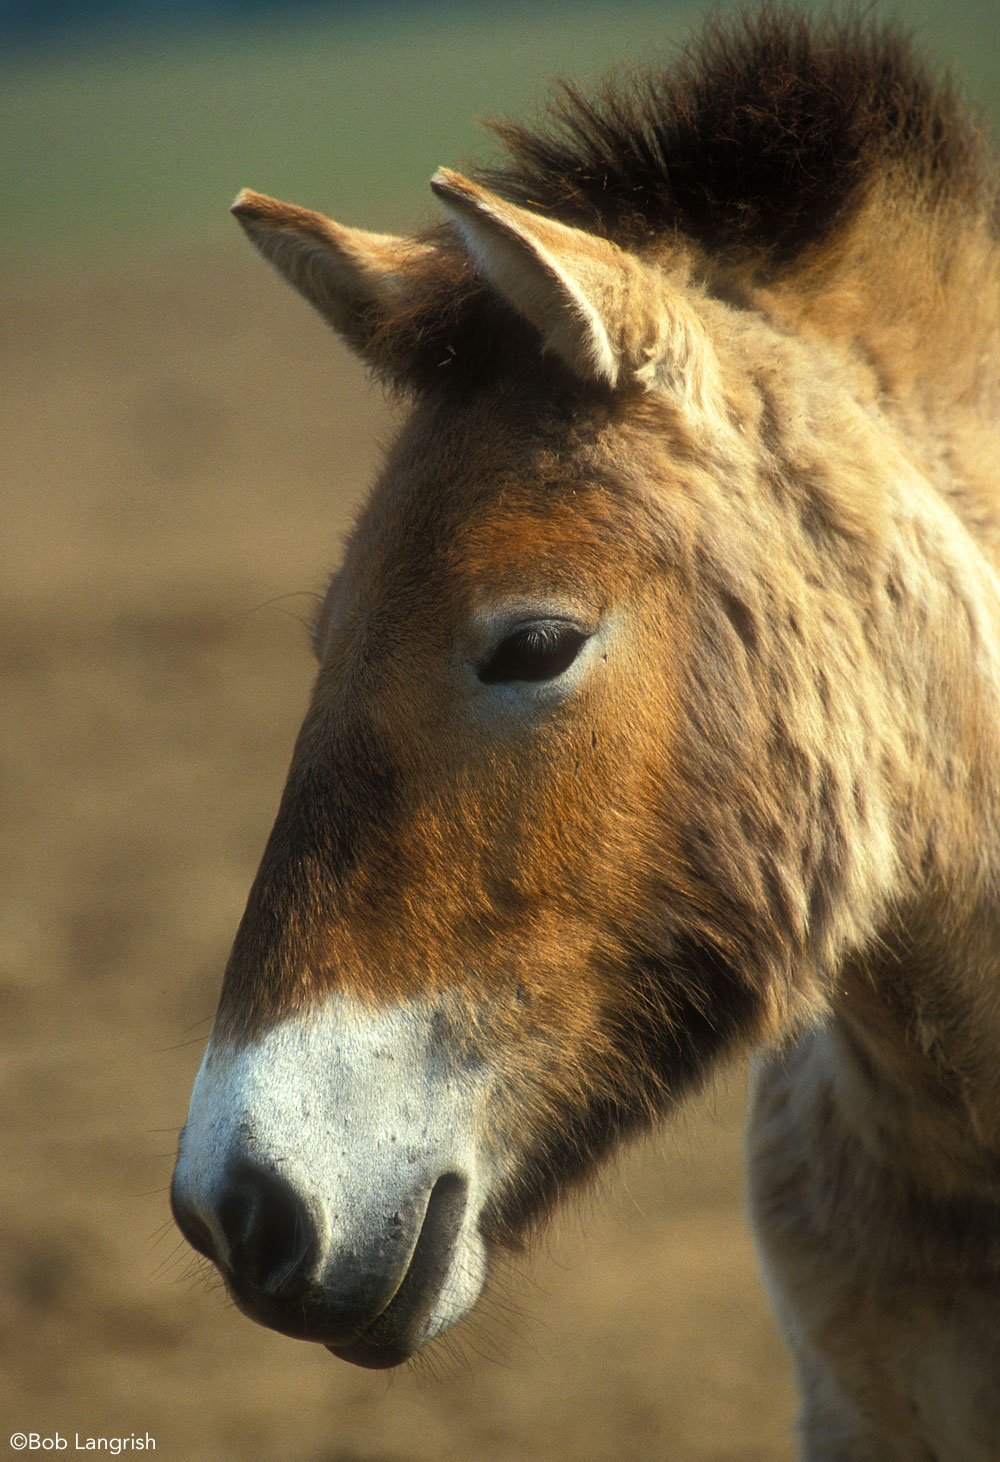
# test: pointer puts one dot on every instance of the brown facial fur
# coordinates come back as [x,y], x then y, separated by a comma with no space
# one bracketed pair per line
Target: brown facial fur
[522,875]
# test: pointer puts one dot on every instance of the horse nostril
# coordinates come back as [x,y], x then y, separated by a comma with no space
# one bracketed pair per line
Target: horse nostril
[191,1225]
[270,1236]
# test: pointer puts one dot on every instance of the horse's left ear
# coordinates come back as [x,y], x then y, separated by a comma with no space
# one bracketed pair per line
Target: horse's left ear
[607,315]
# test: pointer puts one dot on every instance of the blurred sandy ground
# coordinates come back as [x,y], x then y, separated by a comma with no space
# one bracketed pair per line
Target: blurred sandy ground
[183,446]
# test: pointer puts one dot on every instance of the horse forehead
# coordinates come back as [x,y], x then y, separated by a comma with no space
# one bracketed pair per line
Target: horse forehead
[482,494]
[513,442]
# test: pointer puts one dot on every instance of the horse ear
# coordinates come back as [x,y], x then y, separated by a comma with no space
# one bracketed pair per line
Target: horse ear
[354,278]
[606,314]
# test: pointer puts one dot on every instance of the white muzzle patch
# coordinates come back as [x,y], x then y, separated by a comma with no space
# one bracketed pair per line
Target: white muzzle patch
[332,1169]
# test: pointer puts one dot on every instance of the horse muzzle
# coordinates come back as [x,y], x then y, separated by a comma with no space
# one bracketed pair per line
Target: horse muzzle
[330,1171]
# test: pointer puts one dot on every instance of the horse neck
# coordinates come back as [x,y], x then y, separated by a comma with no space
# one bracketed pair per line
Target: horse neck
[912,1047]
[910,1052]
[914,1040]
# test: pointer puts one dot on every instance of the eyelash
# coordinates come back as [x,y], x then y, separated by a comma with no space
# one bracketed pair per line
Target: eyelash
[533,653]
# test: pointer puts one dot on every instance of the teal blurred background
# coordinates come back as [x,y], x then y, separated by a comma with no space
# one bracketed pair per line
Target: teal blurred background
[138,124]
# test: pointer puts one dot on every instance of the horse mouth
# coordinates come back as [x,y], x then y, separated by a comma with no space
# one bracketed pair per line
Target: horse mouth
[418,1309]
[340,1315]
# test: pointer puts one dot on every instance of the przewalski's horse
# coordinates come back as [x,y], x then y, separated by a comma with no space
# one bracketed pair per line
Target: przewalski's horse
[657,719]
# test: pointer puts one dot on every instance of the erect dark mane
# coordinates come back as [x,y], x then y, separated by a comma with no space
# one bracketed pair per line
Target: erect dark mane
[760,140]
[764,138]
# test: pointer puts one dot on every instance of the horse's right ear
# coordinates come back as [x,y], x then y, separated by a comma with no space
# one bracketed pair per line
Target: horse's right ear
[355,279]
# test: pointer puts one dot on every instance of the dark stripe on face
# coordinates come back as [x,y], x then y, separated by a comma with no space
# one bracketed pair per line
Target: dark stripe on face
[336,818]
[678,1014]
[685,1011]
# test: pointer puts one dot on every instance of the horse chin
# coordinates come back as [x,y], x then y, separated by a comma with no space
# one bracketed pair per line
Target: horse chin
[414,1317]
[369,1355]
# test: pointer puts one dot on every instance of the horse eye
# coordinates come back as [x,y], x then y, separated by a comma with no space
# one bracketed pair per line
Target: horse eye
[533,652]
